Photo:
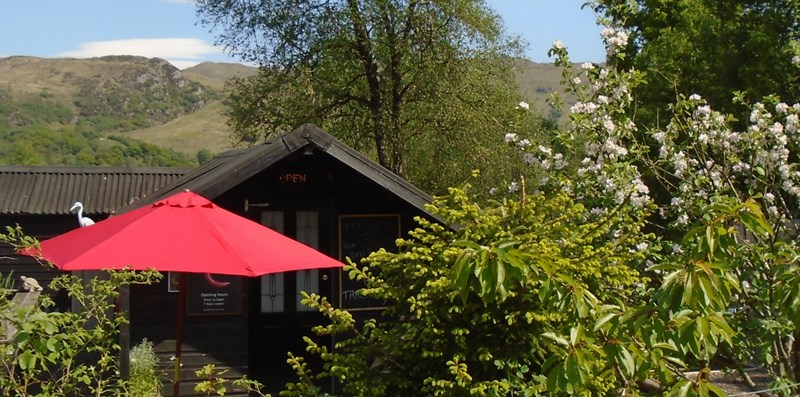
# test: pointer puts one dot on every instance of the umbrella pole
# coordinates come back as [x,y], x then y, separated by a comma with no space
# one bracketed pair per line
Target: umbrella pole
[179,335]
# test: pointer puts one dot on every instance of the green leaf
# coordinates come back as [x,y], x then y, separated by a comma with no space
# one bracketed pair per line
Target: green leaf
[460,275]
[52,344]
[715,391]
[626,360]
[688,289]
[603,320]
[556,338]
[755,223]
[675,360]
[26,360]
[572,370]
[711,240]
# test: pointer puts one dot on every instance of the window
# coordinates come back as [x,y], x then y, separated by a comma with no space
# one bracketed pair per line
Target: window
[308,234]
[272,286]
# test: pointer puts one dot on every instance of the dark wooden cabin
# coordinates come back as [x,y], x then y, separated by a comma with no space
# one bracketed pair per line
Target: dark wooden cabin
[310,187]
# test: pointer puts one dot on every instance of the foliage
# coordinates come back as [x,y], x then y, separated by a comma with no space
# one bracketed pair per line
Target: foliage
[709,47]
[470,299]
[215,384]
[65,353]
[424,87]
[145,376]
[41,145]
[203,156]
[557,288]
[711,180]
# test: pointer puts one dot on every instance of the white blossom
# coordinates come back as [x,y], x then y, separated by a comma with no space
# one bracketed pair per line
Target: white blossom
[702,111]
[608,124]
[510,137]
[772,210]
[529,159]
[560,163]
[523,105]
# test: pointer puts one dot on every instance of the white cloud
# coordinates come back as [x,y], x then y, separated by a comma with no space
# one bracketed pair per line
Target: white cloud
[181,52]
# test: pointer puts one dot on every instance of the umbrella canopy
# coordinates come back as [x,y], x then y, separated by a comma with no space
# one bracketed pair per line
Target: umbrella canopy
[182,233]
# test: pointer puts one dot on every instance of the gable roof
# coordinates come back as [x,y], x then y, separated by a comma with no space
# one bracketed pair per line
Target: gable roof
[51,190]
[233,167]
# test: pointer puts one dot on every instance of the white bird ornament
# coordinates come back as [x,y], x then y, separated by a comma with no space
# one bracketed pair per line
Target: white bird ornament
[82,220]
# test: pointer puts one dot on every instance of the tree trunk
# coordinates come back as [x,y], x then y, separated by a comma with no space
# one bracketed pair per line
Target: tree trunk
[364,49]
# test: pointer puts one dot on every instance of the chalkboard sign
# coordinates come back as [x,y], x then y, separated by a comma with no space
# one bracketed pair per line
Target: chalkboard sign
[359,236]
[213,294]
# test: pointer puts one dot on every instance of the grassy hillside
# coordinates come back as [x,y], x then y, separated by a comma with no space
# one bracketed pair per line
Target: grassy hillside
[214,75]
[203,129]
[538,81]
[123,102]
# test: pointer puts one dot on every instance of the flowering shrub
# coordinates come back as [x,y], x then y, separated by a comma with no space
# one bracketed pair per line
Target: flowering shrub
[711,182]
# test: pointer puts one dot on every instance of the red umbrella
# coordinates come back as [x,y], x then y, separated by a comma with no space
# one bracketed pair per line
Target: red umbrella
[182,233]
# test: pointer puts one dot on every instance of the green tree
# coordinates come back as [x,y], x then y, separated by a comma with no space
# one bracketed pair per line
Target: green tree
[708,47]
[204,155]
[404,81]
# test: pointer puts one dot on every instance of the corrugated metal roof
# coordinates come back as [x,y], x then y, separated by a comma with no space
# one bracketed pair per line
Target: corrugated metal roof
[234,167]
[48,190]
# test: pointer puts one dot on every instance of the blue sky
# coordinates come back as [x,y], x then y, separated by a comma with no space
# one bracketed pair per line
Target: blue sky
[168,29]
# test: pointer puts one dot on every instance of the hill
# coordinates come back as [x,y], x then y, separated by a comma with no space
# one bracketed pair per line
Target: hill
[110,108]
[538,81]
[214,75]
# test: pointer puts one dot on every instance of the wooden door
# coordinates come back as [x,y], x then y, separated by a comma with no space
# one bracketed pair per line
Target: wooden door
[278,319]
